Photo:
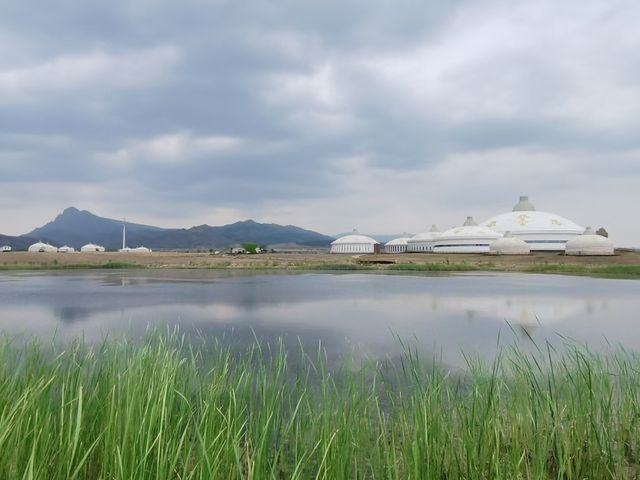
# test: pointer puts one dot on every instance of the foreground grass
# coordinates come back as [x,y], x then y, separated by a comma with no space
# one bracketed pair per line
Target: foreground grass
[595,270]
[162,410]
[68,266]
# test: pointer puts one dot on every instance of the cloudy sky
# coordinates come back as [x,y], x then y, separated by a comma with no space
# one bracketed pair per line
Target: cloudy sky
[382,115]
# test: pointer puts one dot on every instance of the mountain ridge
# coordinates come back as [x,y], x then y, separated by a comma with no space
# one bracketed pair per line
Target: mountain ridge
[75,227]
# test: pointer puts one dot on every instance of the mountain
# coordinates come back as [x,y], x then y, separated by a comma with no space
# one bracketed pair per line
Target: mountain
[17,243]
[75,228]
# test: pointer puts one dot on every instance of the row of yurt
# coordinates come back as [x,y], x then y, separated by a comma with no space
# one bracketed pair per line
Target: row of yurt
[41,247]
[519,232]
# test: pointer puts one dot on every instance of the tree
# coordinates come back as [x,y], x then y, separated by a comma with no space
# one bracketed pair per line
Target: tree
[250,247]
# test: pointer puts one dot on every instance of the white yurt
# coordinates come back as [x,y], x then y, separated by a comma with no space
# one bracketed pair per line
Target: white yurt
[66,249]
[355,243]
[6,249]
[469,238]
[543,231]
[41,247]
[509,245]
[90,247]
[590,244]
[141,250]
[423,242]
[397,245]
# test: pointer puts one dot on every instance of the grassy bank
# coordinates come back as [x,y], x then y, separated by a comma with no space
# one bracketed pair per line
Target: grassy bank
[596,270]
[69,266]
[162,410]
[624,264]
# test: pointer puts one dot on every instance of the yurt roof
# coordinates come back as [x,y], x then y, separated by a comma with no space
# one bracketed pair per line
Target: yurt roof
[398,241]
[532,221]
[470,230]
[589,239]
[509,241]
[354,239]
[41,244]
[432,234]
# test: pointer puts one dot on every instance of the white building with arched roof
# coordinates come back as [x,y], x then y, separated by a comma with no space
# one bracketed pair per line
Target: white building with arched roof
[397,245]
[355,243]
[469,238]
[423,242]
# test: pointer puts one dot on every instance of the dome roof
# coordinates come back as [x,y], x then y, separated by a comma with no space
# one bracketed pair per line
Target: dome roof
[398,241]
[589,244]
[532,221]
[355,238]
[469,230]
[509,245]
[432,234]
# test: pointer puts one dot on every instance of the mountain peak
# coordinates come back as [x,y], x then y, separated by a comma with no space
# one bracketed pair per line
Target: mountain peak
[71,211]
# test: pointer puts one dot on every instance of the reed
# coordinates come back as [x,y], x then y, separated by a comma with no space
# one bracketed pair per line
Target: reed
[164,408]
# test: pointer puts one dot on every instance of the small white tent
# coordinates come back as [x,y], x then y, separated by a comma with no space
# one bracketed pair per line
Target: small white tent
[41,247]
[90,247]
[590,244]
[509,245]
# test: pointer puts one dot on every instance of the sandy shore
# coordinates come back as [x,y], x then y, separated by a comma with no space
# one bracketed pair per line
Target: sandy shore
[310,260]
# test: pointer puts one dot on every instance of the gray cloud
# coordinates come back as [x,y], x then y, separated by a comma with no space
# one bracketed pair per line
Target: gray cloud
[202,111]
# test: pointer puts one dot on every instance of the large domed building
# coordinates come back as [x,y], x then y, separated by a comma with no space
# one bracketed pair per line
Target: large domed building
[423,242]
[355,243]
[543,231]
[469,238]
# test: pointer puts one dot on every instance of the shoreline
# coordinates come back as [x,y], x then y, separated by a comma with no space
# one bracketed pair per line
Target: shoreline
[625,264]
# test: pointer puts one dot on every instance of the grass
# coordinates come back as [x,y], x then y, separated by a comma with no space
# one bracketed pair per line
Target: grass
[69,266]
[161,409]
[629,271]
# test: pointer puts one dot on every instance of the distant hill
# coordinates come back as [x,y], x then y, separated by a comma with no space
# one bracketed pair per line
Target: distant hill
[75,228]
[17,243]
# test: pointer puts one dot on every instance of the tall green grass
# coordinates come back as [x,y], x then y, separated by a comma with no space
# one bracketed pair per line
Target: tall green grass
[162,409]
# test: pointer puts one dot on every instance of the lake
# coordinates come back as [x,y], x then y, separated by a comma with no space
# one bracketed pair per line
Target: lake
[445,315]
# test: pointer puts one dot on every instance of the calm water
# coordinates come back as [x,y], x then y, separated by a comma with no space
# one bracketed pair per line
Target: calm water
[445,314]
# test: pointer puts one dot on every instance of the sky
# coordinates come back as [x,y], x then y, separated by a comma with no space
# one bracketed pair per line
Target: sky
[381,115]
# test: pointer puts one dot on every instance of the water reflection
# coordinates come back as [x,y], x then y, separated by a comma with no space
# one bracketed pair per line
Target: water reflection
[444,314]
